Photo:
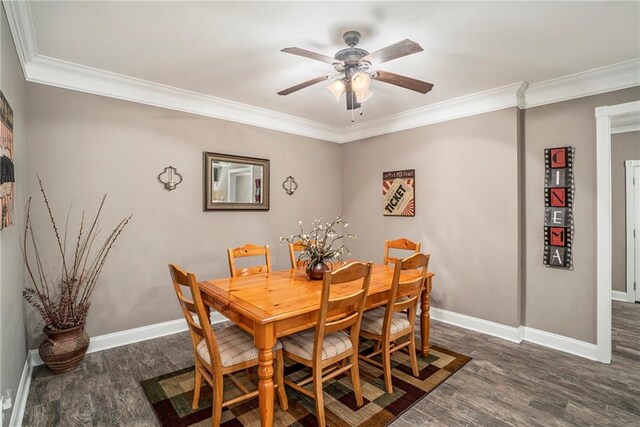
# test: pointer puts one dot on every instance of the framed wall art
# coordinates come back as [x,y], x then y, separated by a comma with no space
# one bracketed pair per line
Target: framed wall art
[559,190]
[7,173]
[235,182]
[398,193]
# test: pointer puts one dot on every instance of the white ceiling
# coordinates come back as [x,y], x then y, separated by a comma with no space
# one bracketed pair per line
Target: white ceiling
[231,50]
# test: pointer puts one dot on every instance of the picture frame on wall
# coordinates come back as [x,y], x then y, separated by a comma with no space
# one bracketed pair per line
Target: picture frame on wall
[559,191]
[7,172]
[234,183]
[398,193]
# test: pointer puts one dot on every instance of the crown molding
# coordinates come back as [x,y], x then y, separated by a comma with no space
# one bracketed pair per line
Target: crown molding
[55,72]
[22,30]
[586,83]
[468,105]
[67,75]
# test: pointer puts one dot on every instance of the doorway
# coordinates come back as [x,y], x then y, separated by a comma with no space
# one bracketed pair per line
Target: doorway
[632,169]
[609,119]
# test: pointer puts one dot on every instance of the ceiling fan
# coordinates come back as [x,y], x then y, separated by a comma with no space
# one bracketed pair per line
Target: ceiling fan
[354,70]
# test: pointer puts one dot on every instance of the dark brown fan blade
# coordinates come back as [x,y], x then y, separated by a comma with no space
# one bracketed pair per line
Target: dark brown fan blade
[402,81]
[303,85]
[352,104]
[311,55]
[394,51]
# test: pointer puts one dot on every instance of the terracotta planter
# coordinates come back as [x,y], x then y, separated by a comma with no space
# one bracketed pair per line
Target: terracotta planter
[63,350]
[316,271]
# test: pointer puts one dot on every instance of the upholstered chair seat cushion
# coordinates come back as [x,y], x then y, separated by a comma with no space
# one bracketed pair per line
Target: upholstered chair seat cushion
[301,344]
[235,345]
[373,320]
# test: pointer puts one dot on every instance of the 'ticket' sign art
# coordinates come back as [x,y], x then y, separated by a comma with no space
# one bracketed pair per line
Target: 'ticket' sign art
[398,193]
[559,190]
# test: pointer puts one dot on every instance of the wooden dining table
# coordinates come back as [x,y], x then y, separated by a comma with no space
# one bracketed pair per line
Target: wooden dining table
[279,303]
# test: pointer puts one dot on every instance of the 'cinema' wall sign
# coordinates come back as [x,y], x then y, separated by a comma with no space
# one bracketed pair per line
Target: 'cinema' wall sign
[398,193]
[559,190]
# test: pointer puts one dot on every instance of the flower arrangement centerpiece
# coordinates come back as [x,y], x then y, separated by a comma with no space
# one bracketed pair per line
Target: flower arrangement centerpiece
[322,245]
[64,300]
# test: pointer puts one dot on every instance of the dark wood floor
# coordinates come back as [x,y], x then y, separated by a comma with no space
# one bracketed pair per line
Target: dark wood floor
[505,384]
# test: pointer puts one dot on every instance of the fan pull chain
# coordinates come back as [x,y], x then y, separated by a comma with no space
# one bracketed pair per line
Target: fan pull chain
[352,104]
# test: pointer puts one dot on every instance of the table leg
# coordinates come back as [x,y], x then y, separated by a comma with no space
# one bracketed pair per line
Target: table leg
[425,306]
[265,341]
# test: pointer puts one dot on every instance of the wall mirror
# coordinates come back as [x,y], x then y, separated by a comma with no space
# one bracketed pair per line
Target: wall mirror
[235,182]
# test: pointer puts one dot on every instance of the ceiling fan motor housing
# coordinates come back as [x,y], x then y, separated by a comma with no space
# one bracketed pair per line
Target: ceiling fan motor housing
[351,56]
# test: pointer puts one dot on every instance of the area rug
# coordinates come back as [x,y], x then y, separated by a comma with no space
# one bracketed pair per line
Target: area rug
[171,394]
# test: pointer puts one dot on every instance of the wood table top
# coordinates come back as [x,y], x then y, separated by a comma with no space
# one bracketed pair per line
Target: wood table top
[283,294]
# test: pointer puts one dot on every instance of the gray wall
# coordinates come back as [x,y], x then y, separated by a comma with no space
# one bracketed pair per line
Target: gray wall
[83,145]
[559,301]
[624,146]
[466,207]
[470,174]
[13,347]
[479,201]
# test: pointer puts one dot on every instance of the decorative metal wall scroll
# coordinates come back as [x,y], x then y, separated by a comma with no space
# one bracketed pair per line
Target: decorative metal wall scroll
[7,175]
[173,178]
[559,190]
[290,185]
[398,190]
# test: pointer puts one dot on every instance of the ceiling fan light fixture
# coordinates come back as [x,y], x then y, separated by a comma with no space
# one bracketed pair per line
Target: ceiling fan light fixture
[336,88]
[360,82]
[363,95]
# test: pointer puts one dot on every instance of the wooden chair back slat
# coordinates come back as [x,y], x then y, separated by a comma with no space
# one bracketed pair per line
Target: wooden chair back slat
[293,248]
[250,271]
[341,324]
[349,273]
[402,244]
[249,250]
[341,303]
[186,304]
[351,305]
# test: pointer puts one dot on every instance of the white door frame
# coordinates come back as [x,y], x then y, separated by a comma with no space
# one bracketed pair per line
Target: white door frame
[604,116]
[631,168]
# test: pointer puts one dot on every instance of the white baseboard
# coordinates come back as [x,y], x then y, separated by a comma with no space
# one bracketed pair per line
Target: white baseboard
[475,324]
[621,296]
[21,395]
[562,343]
[130,336]
[517,335]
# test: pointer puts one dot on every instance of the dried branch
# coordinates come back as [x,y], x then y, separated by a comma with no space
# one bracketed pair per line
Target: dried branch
[65,301]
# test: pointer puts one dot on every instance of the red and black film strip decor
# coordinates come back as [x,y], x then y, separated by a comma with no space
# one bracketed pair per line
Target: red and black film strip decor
[559,191]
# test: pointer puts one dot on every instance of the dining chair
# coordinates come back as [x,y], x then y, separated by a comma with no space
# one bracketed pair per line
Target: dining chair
[402,244]
[328,350]
[221,353]
[293,248]
[249,250]
[385,325]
